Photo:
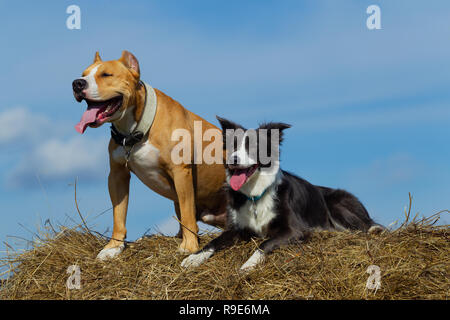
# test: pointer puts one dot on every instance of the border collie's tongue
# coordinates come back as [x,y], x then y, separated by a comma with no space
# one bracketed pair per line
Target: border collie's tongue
[89,116]
[237,180]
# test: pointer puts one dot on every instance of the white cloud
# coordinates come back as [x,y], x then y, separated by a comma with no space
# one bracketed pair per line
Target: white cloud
[49,159]
[19,123]
[62,160]
[47,152]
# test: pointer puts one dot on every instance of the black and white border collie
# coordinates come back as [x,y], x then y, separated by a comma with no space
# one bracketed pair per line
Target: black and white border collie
[267,202]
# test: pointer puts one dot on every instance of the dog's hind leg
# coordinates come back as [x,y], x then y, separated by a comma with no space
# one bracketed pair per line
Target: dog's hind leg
[347,212]
[214,219]
[216,215]
[376,229]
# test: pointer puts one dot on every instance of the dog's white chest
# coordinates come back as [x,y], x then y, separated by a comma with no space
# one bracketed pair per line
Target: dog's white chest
[256,216]
[144,162]
[145,156]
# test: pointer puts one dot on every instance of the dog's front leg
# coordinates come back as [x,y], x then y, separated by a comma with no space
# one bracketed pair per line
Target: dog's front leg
[226,239]
[178,213]
[267,247]
[182,176]
[119,186]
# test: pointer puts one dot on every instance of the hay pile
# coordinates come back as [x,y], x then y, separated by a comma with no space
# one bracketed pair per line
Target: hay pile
[414,263]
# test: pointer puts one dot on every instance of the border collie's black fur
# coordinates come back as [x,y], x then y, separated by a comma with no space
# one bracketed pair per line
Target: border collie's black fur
[265,201]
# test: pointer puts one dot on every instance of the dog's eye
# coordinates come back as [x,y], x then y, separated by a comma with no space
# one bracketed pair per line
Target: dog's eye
[105,74]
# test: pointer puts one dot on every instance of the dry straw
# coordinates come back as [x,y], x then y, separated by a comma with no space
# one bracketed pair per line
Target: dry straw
[413,259]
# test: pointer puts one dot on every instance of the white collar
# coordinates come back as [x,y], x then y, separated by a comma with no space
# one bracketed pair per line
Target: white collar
[148,114]
[144,124]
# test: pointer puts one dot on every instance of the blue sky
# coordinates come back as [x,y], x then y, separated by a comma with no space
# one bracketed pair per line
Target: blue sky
[369,108]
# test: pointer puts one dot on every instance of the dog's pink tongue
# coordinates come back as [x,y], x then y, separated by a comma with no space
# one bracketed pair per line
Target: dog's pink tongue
[89,116]
[237,181]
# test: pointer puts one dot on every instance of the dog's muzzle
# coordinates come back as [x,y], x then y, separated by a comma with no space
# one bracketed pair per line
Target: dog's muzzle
[78,85]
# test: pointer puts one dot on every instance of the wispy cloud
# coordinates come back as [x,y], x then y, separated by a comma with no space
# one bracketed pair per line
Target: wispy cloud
[47,152]
[61,160]
[19,125]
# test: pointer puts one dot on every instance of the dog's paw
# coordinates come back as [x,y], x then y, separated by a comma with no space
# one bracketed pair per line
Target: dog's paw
[187,246]
[109,253]
[253,261]
[196,259]
[376,229]
[183,250]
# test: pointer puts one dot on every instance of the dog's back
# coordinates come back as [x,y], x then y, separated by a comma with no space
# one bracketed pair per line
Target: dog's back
[322,207]
[305,201]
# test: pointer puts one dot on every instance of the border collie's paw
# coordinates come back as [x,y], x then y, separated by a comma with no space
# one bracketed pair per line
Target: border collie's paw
[109,253]
[253,261]
[376,229]
[196,259]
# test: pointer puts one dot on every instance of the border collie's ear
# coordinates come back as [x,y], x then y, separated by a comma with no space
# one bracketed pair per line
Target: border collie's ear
[227,124]
[275,125]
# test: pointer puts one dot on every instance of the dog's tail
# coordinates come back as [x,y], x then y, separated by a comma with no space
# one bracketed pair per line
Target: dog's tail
[347,212]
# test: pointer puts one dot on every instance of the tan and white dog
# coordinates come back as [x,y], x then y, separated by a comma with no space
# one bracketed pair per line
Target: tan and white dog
[143,120]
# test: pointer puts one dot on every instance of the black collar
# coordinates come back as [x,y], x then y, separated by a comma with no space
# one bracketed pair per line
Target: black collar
[126,140]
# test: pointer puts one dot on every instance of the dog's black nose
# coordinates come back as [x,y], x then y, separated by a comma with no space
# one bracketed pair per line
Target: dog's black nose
[79,85]
[234,159]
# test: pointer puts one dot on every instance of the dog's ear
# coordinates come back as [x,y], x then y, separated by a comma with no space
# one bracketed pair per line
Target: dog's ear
[227,124]
[275,126]
[130,61]
[97,57]
[228,129]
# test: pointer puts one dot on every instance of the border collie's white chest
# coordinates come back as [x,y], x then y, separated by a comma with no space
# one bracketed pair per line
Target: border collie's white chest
[257,215]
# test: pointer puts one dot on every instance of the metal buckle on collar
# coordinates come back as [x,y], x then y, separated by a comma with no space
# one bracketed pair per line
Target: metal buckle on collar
[126,141]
